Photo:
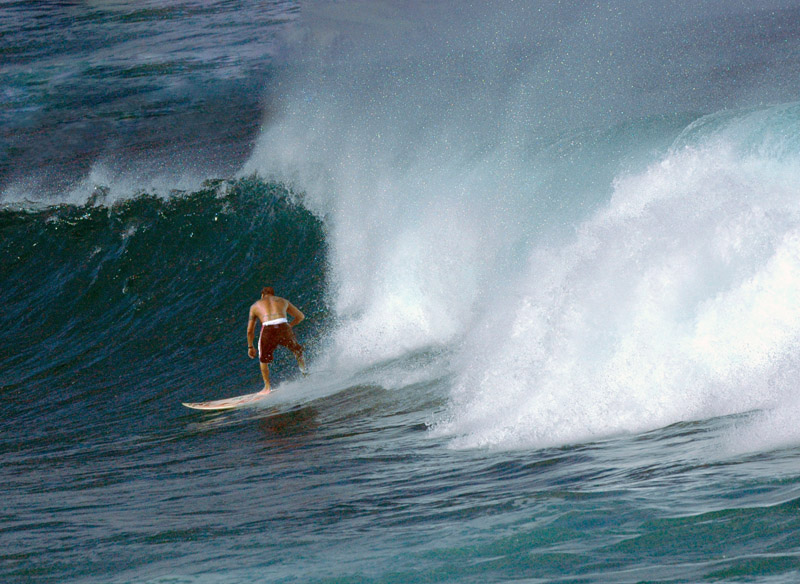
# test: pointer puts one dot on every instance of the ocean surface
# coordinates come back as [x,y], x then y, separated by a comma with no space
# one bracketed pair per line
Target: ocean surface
[549,255]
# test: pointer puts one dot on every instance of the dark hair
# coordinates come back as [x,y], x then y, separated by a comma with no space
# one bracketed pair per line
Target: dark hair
[268,291]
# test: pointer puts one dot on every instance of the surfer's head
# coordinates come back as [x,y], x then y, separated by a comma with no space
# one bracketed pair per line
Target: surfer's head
[267,291]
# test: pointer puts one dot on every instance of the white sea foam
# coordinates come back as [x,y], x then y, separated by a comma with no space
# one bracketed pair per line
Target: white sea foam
[679,300]
[463,179]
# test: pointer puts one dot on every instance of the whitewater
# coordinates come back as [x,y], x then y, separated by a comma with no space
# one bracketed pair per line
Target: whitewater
[549,257]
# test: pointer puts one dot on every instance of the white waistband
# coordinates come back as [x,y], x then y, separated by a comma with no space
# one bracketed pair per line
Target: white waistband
[276,321]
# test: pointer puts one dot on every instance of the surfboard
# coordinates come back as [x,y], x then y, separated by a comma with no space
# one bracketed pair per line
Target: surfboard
[229,403]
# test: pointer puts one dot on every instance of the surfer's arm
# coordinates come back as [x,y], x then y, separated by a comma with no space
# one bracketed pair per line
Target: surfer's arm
[295,313]
[251,330]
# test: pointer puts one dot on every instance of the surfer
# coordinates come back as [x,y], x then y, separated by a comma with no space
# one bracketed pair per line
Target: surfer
[276,330]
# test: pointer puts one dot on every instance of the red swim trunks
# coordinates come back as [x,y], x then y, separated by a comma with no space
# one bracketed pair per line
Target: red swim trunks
[273,335]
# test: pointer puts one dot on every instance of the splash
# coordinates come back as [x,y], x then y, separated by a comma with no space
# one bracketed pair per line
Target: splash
[676,301]
[537,192]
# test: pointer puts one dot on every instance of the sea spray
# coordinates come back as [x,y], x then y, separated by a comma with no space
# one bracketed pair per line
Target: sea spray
[439,150]
[518,207]
[676,301]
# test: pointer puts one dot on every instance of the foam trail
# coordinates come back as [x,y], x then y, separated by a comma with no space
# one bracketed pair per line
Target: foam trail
[677,301]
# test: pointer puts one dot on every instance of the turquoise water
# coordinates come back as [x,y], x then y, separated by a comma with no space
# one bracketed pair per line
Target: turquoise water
[549,258]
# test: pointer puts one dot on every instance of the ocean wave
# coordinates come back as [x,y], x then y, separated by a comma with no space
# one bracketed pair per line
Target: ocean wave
[675,301]
[131,294]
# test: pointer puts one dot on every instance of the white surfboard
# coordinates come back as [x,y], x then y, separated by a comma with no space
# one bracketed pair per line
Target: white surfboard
[230,402]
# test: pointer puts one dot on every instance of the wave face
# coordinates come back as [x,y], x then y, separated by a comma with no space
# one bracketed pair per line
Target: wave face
[131,297]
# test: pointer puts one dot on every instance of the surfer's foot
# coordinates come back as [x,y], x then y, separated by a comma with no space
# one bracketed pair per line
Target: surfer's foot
[265,390]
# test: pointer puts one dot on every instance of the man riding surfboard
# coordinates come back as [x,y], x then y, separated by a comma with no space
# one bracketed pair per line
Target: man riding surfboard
[276,330]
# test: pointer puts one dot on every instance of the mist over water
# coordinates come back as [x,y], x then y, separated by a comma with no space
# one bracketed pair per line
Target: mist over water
[600,230]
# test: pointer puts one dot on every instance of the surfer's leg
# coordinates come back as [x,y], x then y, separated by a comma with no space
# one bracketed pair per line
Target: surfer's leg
[266,346]
[301,362]
[290,341]
[297,349]
[265,375]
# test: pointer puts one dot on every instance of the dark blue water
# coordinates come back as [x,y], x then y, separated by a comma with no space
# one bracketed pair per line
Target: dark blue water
[549,258]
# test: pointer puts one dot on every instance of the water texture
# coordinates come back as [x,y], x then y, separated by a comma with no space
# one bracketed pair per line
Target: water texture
[549,255]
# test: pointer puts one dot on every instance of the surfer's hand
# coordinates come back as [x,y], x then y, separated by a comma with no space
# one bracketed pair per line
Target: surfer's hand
[251,352]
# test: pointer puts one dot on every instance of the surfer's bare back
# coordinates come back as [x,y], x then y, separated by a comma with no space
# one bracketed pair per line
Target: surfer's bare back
[276,330]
